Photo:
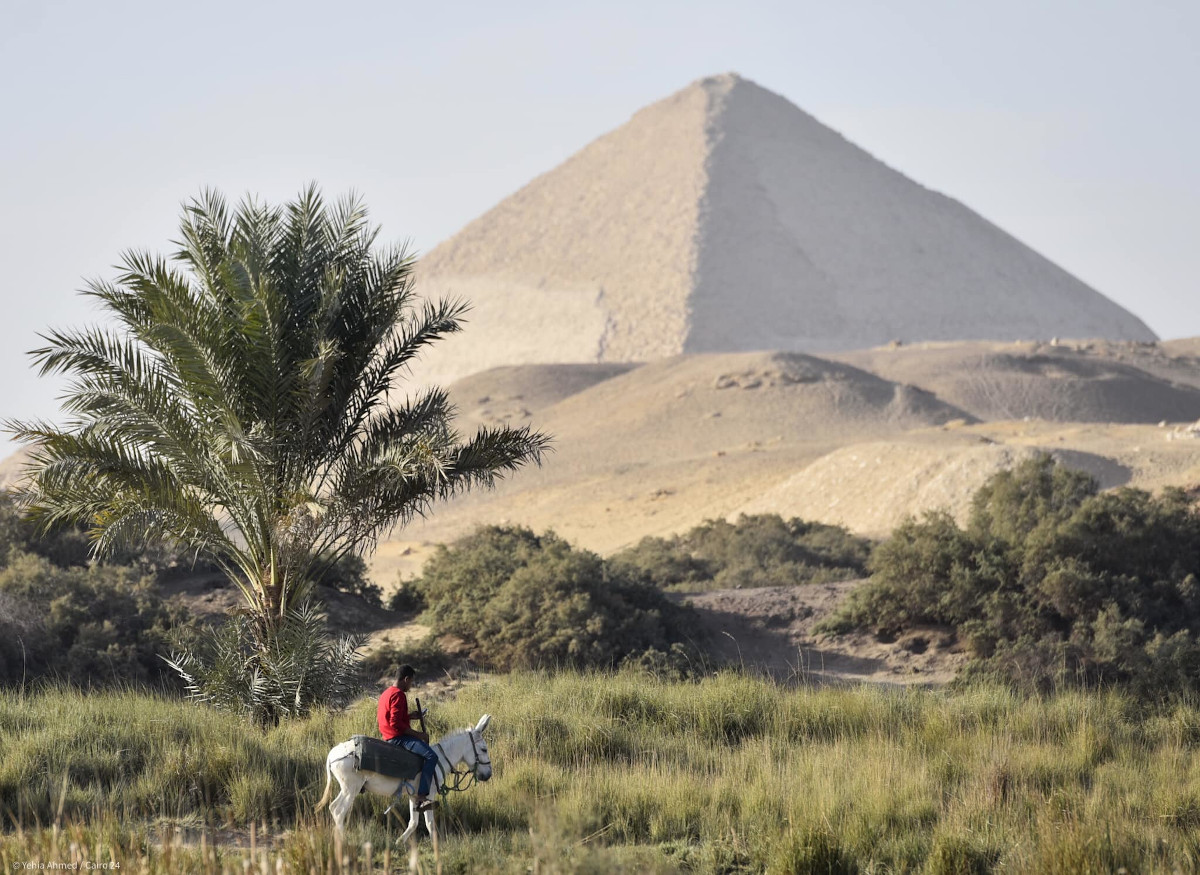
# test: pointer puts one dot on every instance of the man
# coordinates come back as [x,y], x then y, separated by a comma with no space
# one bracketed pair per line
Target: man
[395,725]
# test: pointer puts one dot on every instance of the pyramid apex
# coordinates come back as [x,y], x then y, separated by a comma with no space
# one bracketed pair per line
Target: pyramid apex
[721,81]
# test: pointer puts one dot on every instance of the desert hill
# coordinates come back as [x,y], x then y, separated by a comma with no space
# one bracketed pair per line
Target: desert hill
[512,394]
[872,486]
[679,407]
[1063,382]
[1183,347]
[658,448]
[665,445]
[724,218]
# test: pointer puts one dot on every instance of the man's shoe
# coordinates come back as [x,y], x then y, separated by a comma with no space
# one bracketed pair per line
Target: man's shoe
[427,805]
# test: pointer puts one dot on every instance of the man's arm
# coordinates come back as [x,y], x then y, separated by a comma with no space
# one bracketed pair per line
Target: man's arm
[409,717]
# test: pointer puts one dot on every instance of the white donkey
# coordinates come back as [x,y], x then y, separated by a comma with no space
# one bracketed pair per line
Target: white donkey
[465,748]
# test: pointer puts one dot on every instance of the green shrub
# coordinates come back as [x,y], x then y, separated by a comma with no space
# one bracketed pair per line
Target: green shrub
[759,550]
[90,626]
[348,574]
[408,598]
[426,655]
[523,600]
[1050,582]
[65,547]
[70,547]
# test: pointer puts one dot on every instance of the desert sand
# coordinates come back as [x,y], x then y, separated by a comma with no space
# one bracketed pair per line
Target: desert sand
[656,449]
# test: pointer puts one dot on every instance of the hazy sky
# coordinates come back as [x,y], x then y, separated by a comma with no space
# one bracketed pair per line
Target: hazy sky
[1072,125]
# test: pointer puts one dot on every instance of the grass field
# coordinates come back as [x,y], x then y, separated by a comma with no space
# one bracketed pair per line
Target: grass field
[608,773]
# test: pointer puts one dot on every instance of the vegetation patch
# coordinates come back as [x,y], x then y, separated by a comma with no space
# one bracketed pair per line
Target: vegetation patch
[1051,582]
[522,600]
[758,550]
[87,625]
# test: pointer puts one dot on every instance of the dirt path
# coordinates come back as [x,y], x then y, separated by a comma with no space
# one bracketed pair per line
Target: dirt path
[771,629]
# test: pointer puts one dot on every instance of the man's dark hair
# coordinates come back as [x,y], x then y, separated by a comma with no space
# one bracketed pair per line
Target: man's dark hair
[406,671]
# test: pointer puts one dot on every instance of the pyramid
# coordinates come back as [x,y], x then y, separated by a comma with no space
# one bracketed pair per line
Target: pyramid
[724,219]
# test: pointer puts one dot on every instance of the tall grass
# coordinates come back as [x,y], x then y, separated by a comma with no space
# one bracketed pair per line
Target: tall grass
[609,773]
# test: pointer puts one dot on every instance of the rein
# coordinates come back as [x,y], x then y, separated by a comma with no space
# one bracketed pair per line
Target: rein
[463,779]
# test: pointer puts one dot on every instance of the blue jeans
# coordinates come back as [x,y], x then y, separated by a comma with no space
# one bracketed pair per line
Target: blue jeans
[421,749]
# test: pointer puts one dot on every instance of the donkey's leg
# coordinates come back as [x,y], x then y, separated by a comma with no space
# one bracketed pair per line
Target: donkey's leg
[340,807]
[413,820]
[431,825]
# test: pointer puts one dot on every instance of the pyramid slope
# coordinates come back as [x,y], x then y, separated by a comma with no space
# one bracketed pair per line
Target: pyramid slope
[589,262]
[807,242]
[723,219]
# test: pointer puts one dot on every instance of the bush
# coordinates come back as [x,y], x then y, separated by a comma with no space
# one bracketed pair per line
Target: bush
[95,625]
[349,575]
[760,550]
[426,655]
[523,600]
[64,547]
[1051,582]
[408,598]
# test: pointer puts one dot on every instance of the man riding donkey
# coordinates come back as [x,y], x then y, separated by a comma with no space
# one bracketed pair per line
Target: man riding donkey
[395,725]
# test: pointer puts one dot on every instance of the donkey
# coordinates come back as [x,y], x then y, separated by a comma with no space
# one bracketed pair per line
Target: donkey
[466,748]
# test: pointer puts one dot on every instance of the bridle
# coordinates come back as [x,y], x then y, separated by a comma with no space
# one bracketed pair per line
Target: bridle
[457,780]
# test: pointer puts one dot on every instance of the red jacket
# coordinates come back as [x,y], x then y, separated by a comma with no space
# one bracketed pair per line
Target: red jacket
[393,713]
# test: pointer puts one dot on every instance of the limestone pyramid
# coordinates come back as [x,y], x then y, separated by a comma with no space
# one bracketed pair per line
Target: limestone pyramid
[724,218]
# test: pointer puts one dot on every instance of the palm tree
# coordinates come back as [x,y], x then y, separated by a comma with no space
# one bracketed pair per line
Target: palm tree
[241,405]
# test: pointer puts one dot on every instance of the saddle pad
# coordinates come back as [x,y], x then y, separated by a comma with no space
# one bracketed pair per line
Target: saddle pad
[386,759]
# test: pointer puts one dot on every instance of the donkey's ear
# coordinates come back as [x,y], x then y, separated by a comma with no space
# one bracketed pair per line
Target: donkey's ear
[483,723]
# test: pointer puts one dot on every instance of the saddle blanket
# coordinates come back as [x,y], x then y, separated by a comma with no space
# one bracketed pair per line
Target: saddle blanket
[386,759]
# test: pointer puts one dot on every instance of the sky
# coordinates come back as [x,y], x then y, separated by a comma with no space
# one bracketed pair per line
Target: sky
[1070,124]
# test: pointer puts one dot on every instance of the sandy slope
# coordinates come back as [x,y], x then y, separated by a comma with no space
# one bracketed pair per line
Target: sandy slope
[657,449]
[661,447]
[1061,381]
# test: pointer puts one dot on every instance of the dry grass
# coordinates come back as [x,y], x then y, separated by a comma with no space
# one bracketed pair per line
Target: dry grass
[608,773]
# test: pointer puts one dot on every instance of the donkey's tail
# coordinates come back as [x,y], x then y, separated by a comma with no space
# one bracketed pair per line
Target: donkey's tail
[328,787]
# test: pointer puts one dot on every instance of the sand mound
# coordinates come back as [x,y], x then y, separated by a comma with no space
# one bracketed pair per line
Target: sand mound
[871,487]
[516,394]
[1063,382]
[698,404]
[723,218]
[1188,347]
[663,446]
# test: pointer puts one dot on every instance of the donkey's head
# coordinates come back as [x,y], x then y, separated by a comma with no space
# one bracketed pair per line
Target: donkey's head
[482,766]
